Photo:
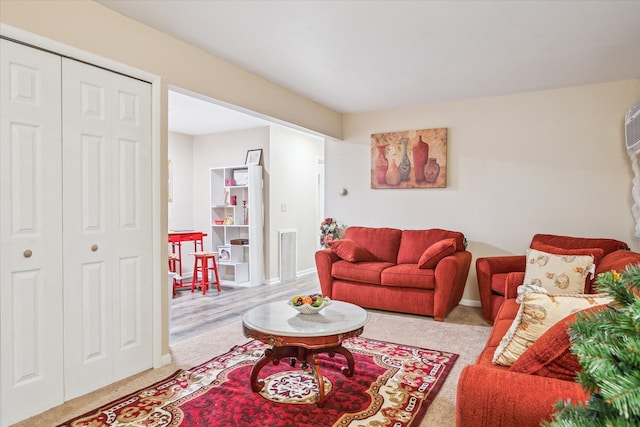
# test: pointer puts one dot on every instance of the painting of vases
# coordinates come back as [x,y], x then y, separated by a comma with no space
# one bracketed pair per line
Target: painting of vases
[409,159]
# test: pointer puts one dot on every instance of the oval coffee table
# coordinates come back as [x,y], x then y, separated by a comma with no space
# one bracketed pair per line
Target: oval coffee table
[301,337]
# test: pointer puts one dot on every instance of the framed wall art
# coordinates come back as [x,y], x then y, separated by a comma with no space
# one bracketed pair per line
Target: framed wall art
[409,159]
[253,157]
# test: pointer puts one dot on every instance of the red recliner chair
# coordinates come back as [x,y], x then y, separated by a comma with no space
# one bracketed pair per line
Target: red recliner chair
[500,276]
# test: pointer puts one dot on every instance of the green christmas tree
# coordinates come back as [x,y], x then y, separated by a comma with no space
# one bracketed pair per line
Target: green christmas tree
[607,344]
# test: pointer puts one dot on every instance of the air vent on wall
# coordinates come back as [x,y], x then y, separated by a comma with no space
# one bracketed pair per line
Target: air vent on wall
[632,128]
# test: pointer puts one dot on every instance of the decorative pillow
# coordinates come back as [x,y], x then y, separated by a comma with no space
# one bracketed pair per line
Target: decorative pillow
[551,356]
[538,312]
[350,251]
[436,252]
[557,273]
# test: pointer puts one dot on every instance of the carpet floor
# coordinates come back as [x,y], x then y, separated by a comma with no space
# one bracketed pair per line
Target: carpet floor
[464,332]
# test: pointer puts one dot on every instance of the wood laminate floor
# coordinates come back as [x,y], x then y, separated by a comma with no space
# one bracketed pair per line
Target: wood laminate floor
[193,314]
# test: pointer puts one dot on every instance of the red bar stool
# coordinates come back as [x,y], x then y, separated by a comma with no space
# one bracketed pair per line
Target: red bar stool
[201,264]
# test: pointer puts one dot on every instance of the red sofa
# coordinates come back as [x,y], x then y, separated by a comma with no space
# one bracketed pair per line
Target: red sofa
[500,276]
[384,270]
[491,395]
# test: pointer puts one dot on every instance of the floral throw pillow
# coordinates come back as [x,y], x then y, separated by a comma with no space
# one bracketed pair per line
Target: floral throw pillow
[564,274]
[539,311]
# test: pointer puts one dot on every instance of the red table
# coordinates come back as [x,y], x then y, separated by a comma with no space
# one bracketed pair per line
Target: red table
[175,257]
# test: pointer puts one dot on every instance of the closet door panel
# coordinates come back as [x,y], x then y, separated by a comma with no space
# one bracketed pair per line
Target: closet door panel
[88,252]
[30,232]
[132,226]
[107,142]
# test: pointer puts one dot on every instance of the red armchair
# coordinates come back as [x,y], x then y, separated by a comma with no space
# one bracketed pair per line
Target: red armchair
[500,276]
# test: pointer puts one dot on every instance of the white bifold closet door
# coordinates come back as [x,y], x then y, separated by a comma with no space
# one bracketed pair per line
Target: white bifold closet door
[31,377]
[75,229]
[107,226]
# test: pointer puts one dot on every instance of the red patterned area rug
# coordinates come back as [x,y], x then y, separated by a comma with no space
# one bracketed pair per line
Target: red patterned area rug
[393,385]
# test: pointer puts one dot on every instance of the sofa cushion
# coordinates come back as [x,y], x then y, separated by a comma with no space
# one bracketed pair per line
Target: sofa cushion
[498,282]
[502,322]
[550,355]
[383,243]
[365,272]
[557,273]
[408,276]
[437,252]
[538,312]
[350,251]
[415,242]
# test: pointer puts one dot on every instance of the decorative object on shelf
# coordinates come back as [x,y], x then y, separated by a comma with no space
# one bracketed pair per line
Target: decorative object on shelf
[395,154]
[229,182]
[228,220]
[245,212]
[234,200]
[239,241]
[253,157]
[224,253]
[219,221]
[431,170]
[241,176]
[329,231]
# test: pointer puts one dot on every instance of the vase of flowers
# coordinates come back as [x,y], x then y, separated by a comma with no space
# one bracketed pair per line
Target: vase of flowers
[329,231]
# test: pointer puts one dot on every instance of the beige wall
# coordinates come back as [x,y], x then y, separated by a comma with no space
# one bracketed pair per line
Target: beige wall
[91,27]
[293,181]
[180,210]
[543,162]
[289,159]
[550,161]
[91,32]
[217,150]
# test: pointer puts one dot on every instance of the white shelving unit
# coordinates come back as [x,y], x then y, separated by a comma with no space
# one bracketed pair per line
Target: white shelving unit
[236,201]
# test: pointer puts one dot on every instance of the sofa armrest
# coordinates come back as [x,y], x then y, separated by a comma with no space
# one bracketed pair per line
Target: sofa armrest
[324,260]
[514,279]
[492,397]
[486,268]
[451,277]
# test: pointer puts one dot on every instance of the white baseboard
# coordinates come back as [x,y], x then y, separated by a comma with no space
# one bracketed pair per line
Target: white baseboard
[166,359]
[306,272]
[299,274]
[470,302]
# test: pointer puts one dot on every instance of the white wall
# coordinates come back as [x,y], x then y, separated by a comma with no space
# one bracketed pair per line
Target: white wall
[292,181]
[289,159]
[543,162]
[180,211]
[215,150]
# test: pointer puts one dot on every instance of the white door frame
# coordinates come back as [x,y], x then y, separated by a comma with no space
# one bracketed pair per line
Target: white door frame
[158,162]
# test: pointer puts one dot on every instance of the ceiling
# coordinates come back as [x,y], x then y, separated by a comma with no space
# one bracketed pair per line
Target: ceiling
[361,56]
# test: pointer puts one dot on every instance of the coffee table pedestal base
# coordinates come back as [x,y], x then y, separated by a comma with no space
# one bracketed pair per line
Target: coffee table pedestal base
[307,358]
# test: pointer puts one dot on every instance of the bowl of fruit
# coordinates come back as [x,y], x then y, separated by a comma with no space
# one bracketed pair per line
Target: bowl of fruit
[309,304]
